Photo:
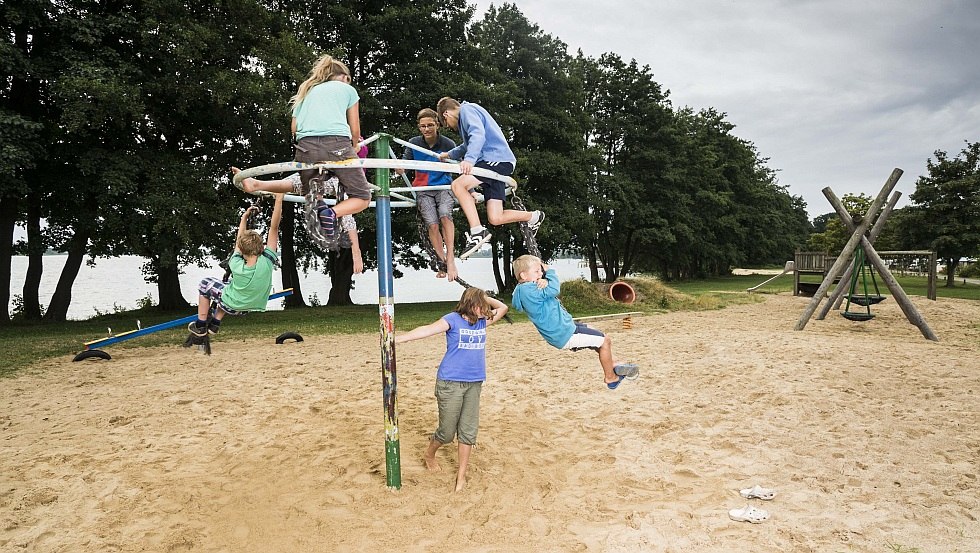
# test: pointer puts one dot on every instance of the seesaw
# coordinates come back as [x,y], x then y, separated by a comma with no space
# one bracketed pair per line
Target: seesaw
[92,351]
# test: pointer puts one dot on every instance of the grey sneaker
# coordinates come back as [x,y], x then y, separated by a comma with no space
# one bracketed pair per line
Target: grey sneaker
[474,242]
[535,226]
[627,370]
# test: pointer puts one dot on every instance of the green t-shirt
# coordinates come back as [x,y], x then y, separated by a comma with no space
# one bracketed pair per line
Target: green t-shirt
[250,286]
[324,110]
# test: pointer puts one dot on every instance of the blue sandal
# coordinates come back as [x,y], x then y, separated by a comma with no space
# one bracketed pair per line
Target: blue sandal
[615,384]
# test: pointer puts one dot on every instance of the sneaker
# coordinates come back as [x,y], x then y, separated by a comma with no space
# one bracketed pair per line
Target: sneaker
[327,217]
[474,242]
[197,330]
[535,226]
[213,327]
[627,370]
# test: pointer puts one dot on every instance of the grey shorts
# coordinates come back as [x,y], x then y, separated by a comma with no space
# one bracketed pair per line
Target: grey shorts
[314,149]
[434,205]
[212,288]
[459,411]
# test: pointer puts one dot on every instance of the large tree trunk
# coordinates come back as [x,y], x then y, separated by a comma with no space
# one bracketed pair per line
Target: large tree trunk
[494,258]
[8,218]
[510,282]
[593,264]
[341,265]
[58,308]
[290,273]
[951,272]
[628,254]
[35,261]
[168,287]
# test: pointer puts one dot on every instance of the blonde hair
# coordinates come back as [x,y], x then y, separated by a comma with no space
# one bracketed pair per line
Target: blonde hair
[325,69]
[473,303]
[524,264]
[445,104]
[251,243]
[427,112]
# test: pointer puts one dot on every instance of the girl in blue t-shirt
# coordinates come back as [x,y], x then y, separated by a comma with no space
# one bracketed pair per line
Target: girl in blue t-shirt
[461,373]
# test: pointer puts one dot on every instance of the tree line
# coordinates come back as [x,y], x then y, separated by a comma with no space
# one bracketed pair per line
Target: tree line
[119,121]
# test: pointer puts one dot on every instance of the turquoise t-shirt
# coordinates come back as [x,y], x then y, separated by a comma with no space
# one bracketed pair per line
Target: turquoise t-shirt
[324,110]
[249,287]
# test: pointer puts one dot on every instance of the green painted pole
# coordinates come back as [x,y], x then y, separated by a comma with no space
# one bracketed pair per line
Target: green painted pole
[386,310]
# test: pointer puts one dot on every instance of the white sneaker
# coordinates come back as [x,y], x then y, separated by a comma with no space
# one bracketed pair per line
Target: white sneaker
[536,225]
[474,242]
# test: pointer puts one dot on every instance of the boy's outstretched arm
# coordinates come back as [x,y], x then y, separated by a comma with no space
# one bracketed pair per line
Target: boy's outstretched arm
[273,241]
[243,225]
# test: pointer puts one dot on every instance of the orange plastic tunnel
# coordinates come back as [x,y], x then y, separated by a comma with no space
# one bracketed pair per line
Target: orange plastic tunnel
[622,292]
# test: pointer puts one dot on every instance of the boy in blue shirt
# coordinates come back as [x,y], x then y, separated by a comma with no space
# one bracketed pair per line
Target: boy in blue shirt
[485,147]
[537,295]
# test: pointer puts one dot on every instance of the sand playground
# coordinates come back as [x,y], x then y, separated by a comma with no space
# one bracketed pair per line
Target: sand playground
[869,433]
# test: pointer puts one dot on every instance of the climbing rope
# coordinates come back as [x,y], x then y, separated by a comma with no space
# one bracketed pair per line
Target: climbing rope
[530,241]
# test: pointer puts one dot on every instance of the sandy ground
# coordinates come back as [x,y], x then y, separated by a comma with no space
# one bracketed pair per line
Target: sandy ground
[869,433]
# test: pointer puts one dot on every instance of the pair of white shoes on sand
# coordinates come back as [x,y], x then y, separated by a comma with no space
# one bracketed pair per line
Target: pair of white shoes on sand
[750,513]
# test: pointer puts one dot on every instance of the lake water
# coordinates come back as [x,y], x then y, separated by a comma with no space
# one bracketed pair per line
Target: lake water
[118,282]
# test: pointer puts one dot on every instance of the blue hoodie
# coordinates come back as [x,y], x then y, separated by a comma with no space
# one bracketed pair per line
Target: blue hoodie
[553,322]
[482,138]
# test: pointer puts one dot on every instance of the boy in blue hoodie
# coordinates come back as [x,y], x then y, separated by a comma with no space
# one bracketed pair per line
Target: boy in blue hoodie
[484,147]
[537,295]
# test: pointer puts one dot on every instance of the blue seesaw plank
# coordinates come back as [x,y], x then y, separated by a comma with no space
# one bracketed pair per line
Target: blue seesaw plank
[162,326]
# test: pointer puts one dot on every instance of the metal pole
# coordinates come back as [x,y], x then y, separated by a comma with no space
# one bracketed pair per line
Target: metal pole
[386,310]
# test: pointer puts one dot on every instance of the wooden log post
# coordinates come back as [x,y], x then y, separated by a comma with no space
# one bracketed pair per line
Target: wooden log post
[852,243]
[911,313]
[838,294]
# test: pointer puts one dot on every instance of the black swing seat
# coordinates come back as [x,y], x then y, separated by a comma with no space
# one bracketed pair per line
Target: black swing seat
[857,316]
[865,301]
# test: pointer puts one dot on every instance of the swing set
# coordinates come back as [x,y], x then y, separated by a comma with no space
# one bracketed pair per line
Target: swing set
[866,261]
[860,271]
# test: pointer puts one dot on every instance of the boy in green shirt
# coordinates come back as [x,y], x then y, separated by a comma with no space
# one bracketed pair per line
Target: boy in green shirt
[251,265]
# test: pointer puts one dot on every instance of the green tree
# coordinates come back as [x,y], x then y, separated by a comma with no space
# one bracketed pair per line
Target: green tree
[403,56]
[631,135]
[835,236]
[945,211]
[154,103]
[27,57]
[535,97]
[820,221]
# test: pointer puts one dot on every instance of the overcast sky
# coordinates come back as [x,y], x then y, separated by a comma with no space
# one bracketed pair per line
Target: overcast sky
[834,92]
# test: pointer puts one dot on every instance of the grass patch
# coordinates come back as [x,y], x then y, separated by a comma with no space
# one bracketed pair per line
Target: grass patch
[28,343]
[25,344]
